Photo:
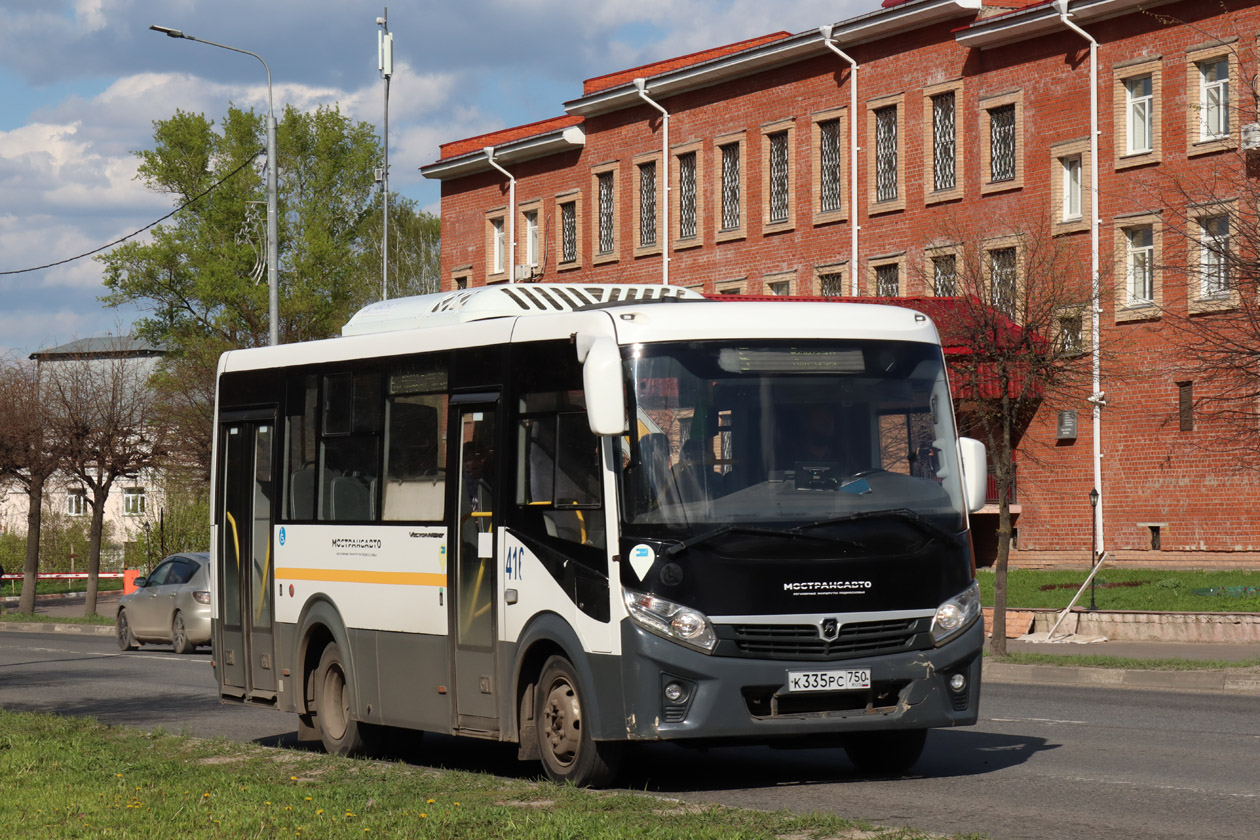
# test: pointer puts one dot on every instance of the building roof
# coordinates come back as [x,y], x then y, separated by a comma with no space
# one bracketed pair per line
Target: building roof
[101,347]
[1021,20]
[503,136]
[621,77]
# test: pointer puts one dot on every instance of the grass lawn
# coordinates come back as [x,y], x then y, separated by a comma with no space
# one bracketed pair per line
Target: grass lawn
[54,619]
[70,778]
[1130,589]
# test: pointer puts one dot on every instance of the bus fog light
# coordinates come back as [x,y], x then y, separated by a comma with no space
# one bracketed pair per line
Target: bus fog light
[957,614]
[958,682]
[675,693]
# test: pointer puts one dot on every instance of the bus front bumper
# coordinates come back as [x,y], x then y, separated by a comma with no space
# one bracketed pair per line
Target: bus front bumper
[749,699]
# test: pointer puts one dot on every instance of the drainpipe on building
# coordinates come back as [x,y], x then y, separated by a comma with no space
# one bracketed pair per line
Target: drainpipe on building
[825,31]
[511,214]
[1098,397]
[641,86]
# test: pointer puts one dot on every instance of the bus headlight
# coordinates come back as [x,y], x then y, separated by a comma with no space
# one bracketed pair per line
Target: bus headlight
[956,614]
[672,621]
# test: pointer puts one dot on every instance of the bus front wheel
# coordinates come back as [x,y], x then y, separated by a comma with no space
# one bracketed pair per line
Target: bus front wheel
[886,753]
[340,732]
[569,753]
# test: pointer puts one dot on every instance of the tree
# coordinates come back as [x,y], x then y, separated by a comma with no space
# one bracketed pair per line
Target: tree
[102,415]
[201,279]
[29,455]
[1021,313]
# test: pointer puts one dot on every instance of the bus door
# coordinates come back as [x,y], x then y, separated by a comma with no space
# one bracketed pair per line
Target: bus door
[474,584]
[245,651]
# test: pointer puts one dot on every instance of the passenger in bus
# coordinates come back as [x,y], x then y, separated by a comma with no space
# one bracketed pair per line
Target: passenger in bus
[818,434]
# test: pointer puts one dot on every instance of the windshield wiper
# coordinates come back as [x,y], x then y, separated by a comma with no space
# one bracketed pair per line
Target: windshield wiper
[921,523]
[706,536]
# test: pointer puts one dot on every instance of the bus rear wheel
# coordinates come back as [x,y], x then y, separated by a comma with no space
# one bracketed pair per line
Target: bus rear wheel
[338,730]
[569,753]
[886,753]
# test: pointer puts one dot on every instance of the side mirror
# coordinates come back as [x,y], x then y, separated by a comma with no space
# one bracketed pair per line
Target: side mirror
[602,380]
[975,472]
[141,582]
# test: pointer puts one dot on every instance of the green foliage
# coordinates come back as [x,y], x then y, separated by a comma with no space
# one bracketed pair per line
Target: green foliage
[74,778]
[1127,589]
[201,278]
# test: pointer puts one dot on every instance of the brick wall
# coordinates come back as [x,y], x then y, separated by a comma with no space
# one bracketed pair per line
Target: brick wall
[1154,474]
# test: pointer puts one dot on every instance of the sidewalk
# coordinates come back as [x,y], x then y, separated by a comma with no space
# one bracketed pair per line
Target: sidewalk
[1226,680]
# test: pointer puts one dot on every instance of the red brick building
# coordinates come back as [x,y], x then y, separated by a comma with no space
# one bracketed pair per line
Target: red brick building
[918,119]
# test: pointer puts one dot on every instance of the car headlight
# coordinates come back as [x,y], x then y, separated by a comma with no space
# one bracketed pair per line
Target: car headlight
[956,614]
[672,621]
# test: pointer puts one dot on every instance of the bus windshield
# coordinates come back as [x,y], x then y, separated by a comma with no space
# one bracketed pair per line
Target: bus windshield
[788,436]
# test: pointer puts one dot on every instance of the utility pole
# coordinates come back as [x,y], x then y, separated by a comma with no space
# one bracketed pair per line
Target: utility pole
[385,63]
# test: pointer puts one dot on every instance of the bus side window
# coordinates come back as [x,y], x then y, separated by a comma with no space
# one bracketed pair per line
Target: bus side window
[558,483]
[415,479]
[301,449]
[350,448]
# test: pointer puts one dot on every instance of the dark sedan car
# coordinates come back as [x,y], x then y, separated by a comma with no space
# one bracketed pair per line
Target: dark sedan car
[170,606]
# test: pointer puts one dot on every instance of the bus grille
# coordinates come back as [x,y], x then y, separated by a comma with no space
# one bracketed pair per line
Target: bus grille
[802,641]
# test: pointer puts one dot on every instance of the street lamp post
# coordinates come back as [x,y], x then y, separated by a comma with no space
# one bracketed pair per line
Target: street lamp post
[273,290]
[1093,543]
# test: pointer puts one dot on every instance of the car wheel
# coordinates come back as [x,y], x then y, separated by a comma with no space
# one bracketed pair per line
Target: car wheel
[339,731]
[122,628]
[569,753]
[179,635]
[886,753]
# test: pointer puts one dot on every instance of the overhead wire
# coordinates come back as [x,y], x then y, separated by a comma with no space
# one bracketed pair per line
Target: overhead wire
[135,233]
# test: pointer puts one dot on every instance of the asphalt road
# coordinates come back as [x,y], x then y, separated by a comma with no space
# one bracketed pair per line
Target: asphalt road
[1045,761]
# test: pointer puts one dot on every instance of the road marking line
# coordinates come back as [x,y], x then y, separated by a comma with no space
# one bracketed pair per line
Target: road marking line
[94,653]
[1038,720]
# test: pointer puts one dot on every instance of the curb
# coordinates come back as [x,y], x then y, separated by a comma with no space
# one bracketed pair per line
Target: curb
[1244,681]
[52,627]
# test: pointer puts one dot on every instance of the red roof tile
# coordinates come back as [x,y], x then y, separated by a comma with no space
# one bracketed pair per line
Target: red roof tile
[505,135]
[621,77]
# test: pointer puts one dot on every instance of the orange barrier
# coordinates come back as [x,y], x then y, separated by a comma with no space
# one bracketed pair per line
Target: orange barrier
[129,580]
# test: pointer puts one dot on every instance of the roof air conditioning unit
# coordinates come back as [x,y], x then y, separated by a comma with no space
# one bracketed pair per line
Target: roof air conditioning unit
[1251,137]
[523,272]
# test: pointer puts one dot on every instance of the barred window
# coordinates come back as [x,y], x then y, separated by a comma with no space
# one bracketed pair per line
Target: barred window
[647,203]
[607,240]
[888,280]
[831,284]
[886,153]
[829,174]
[1185,406]
[730,186]
[1140,264]
[1214,260]
[1002,274]
[1002,143]
[945,275]
[568,231]
[944,148]
[780,192]
[687,195]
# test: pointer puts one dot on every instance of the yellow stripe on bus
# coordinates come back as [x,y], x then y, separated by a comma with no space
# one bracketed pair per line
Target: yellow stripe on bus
[361,576]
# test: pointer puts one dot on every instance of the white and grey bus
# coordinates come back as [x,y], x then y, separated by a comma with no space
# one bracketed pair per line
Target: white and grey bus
[573,517]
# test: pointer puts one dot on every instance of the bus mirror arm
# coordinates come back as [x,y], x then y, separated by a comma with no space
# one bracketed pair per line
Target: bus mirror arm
[602,380]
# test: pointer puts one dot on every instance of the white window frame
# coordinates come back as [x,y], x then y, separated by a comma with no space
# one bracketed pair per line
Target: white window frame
[531,238]
[1139,257]
[1214,122]
[1139,111]
[76,502]
[1214,258]
[133,501]
[498,238]
[1073,169]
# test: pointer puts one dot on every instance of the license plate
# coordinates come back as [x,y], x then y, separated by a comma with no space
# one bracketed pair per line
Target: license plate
[846,680]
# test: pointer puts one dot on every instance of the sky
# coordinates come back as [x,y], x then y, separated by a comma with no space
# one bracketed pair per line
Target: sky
[82,82]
